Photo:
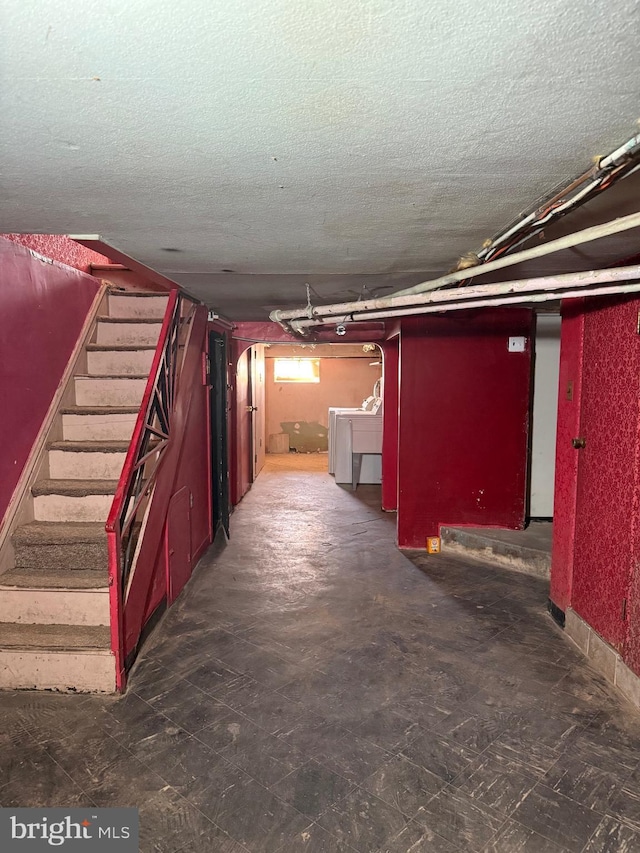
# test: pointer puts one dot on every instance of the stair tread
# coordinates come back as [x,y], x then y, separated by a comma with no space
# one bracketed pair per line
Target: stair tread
[59,532]
[137,293]
[100,410]
[119,347]
[91,446]
[74,488]
[54,579]
[155,321]
[14,635]
[93,376]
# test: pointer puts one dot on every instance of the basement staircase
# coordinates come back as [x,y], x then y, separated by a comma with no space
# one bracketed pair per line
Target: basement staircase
[54,602]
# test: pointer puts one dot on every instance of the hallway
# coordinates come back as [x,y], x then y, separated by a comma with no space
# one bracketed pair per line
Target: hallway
[315,690]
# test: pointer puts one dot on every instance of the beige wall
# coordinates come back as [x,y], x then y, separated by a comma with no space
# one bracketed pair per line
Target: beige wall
[343,382]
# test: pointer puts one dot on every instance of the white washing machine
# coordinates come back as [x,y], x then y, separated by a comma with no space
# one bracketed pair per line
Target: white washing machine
[358,447]
[333,411]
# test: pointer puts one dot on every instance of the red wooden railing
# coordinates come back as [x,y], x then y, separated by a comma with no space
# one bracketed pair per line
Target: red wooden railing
[126,522]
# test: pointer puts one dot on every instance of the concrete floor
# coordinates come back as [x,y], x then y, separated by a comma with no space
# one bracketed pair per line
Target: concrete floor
[316,690]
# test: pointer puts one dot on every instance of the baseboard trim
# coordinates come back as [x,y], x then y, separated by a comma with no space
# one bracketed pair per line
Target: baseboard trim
[556,614]
[603,657]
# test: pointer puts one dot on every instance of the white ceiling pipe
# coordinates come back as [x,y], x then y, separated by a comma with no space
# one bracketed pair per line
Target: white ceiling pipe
[615,226]
[594,177]
[484,291]
[620,153]
[514,299]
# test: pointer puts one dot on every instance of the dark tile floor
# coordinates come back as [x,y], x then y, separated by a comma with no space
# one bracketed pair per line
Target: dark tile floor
[316,690]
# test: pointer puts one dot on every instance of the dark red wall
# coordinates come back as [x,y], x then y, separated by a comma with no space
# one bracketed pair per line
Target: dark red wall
[43,306]
[596,543]
[464,418]
[608,467]
[391,352]
[564,513]
[59,248]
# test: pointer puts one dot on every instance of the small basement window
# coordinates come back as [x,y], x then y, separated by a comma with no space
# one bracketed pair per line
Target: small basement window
[296,370]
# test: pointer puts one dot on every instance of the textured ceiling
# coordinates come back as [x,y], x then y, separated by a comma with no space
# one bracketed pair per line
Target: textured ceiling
[305,140]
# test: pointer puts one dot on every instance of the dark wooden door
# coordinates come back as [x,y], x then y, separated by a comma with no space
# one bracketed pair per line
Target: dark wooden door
[219,443]
[244,423]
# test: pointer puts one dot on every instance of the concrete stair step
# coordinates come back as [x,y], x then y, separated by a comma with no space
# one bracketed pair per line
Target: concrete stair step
[132,321]
[119,347]
[98,423]
[73,500]
[74,488]
[135,305]
[62,657]
[506,548]
[25,599]
[78,463]
[48,637]
[59,579]
[123,390]
[90,446]
[120,331]
[119,361]
[52,547]
[100,411]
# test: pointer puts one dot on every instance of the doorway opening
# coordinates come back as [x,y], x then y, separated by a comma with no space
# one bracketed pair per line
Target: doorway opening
[286,397]
[544,417]
[528,550]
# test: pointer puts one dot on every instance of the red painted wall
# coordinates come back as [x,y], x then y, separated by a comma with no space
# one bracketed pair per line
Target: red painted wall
[464,417]
[564,514]
[631,653]
[390,391]
[597,500]
[59,248]
[194,468]
[608,467]
[43,306]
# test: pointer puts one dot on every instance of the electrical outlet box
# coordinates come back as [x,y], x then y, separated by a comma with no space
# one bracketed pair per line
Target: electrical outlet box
[517,344]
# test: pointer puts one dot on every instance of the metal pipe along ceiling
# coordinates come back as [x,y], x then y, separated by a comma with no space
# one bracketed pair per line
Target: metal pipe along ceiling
[615,166]
[544,289]
[408,297]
